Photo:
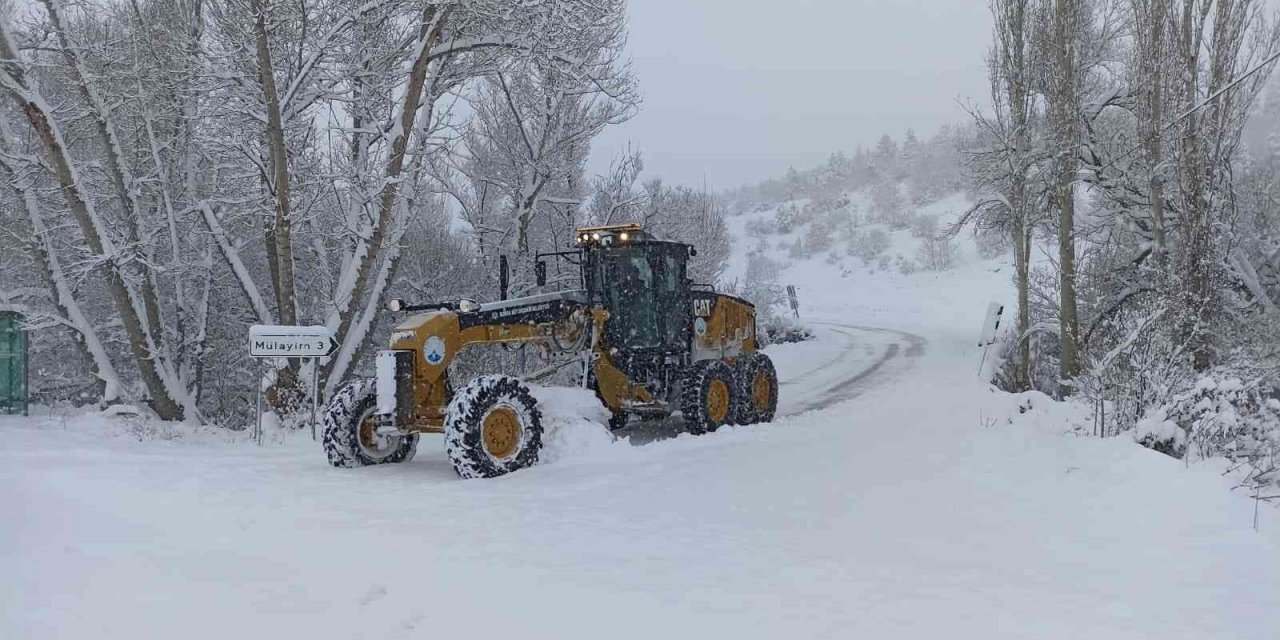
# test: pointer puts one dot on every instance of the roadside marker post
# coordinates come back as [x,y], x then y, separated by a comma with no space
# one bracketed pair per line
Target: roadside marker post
[269,342]
[795,302]
[990,328]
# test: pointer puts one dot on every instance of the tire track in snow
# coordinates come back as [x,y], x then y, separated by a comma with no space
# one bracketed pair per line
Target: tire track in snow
[859,381]
[829,388]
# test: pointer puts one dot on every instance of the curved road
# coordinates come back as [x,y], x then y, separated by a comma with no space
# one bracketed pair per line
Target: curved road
[863,357]
[845,376]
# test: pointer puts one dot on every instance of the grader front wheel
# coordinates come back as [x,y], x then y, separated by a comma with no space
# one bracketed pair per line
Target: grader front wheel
[492,427]
[350,430]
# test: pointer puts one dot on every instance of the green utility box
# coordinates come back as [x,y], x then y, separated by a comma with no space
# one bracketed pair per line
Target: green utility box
[13,363]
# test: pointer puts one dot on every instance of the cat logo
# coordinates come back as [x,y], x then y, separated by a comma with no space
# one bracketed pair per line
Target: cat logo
[702,308]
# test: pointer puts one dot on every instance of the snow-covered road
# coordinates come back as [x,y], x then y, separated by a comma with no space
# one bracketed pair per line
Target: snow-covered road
[900,511]
[845,375]
[896,496]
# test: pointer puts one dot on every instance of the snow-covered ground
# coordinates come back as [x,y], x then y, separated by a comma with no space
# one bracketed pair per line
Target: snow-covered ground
[913,502]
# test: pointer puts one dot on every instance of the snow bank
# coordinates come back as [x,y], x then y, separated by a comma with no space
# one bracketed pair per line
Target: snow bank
[573,424]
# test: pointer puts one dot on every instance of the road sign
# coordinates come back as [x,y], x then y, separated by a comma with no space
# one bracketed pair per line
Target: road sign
[283,341]
[795,302]
[991,326]
[273,341]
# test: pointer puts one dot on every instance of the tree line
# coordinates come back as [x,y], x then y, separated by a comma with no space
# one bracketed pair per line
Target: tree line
[1113,158]
[175,170]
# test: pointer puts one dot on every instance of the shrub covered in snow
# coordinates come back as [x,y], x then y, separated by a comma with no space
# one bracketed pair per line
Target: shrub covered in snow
[871,244]
[1221,415]
[782,331]
[1157,432]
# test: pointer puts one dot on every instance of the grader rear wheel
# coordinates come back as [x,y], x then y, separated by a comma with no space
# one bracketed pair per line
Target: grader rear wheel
[718,401]
[709,397]
[759,389]
[492,427]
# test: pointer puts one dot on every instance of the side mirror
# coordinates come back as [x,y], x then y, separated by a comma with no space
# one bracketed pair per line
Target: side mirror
[693,252]
[540,273]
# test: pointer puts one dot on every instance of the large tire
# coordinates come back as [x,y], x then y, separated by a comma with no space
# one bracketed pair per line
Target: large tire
[619,420]
[492,427]
[350,439]
[709,396]
[757,388]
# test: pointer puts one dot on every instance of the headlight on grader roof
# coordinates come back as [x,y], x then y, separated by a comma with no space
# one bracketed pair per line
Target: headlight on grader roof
[467,305]
[394,305]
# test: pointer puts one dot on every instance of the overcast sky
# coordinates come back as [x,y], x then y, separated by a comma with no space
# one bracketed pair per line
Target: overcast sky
[739,90]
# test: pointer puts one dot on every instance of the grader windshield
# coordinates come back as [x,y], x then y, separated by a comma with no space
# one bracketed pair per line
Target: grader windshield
[645,290]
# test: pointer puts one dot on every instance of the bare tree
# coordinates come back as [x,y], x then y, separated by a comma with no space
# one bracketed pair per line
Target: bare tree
[1063,100]
[167,395]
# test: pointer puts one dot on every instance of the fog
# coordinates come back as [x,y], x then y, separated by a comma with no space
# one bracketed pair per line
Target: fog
[738,90]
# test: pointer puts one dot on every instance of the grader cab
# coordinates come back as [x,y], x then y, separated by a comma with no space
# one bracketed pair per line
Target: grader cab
[649,343]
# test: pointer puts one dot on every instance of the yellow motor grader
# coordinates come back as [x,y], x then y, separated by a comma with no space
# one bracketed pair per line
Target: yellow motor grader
[650,342]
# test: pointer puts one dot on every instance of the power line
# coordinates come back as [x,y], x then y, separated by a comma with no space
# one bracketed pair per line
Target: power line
[1217,94]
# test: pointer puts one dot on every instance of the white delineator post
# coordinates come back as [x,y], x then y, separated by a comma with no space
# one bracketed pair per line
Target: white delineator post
[990,327]
[287,341]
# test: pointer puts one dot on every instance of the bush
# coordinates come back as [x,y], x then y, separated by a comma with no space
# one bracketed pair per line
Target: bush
[991,244]
[1157,432]
[924,227]
[936,253]
[819,236]
[761,227]
[785,218]
[1221,415]
[782,332]
[870,245]
[906,267]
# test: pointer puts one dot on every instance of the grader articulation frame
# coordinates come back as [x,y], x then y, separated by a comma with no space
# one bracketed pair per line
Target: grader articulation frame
[650,342]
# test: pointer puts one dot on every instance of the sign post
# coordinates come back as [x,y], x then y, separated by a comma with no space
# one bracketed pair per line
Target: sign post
[281,341]
[990,327]
[795,302]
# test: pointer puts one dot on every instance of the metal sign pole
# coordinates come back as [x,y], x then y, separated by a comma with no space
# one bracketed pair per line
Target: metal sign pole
[257,429]
[315,394]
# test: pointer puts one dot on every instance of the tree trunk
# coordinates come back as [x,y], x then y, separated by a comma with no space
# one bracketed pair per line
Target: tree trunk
[433,20]
[143,348]
[87,342]
[279,237]
[121,179]
[1153,18]
[1194,245]
[1012,40]
[1063,108]
[284,393]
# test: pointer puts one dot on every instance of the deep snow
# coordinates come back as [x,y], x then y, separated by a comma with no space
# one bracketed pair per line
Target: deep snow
[919,505]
